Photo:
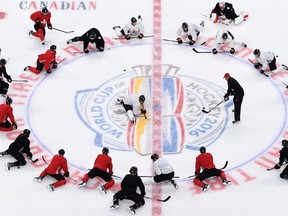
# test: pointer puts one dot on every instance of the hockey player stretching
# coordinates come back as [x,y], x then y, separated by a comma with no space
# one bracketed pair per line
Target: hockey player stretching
[102,163]
[131,29]
[189,33]
[283,159]
[205,162]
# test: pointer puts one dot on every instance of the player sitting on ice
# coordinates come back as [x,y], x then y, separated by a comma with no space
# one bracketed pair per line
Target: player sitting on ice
[4,86]
[225,38]
[189,33]
[134,105]
[224,13]
[283,158]
[266,60]
[91,36]
[131,29]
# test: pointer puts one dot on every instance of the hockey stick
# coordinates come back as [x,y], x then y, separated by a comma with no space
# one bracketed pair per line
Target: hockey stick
[160,200]
[201,51]
[203,110]
[20,80]
[33,161]
[268,169]
[132,37]
[62,30]
[81,52]
[183,42]
[254,65]
[153,176]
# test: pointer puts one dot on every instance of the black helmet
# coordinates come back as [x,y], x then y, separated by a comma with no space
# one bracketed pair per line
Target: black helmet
[133,170]
[53,48]
[92,36]
[133,20]
[184,25]
[202,149]
[154,156]
[44,10]
[61,152]
[26,131]
[256,52]
[285,143]
[9,100]
[142,98]
[105,150]
[224,35]
[3,61]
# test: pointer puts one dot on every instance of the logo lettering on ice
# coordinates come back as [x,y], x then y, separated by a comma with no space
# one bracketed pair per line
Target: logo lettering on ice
[185,125]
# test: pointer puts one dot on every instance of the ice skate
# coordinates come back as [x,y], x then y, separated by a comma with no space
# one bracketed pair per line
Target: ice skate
[115,206]
[131,210]
[206,187]
[82,184]
[39,179]
[51,187]
[226,182]
[173,182]
[102,189]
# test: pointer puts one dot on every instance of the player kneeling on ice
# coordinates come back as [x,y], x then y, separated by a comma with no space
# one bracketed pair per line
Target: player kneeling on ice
[224,13]
[91,36]
[57,164]
[6,111]
[266,60]
[131,29]
[134,105]
[225,38]
[163,170]
[16,149]
[46,60]
[102,163]
[129,186]
[189,33]
[4,85]
[205,162]
[283,158]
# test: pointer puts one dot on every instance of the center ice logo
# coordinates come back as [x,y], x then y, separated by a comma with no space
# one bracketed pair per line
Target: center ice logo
[184,123]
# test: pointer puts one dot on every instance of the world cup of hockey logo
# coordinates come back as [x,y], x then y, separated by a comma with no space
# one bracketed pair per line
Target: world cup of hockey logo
[184,125]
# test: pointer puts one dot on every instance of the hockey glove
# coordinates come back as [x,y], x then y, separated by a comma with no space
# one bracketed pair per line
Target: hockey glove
[256,66]
[214,51]
[49,26]
[66,174]
[48,71]
[111,173]
[140,36]
[189,37]
[15,126]
[262,71]
[179,40]
[86,51]
[143,194]
[277,166]
[143,111]
[226,99]
[9,79]
[29,157]
[232,50]
[54,65]
[192,42]
[127,37]
[101,49]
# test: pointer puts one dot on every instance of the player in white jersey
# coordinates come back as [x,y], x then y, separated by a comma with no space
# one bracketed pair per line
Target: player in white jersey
[134,105]
[134,28]
[266,60]
[189,32]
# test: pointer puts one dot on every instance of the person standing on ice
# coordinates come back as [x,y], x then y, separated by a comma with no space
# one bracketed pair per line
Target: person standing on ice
[134,105]
[129,186]
[205,162]
[57,164]
[41,19]
[46,60]
[163,170]
[16,149]
[235,89]
[102,163]
[91,36]
[283,158]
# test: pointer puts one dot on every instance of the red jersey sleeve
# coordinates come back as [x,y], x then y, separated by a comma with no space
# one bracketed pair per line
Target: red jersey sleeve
[42,19]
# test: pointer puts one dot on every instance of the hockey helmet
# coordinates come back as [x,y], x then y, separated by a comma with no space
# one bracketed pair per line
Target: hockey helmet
[142,98]
[133,170]
[202,149]
[53,48]
[154,156]
[44,10]
[133,20]
[61,152]
[285,143]
[105,150]
[224,36]
[3,61]
[92,36]
[26,131]
[9,100]
[185,27]
[256,52]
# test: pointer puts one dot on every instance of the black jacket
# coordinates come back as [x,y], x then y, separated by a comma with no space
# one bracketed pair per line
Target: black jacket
[130,183]
[21,144]
[228,11]
[86,39]
[234,88]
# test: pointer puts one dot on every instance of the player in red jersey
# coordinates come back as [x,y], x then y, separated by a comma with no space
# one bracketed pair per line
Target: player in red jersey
[46,60]
[205,161]
[41,19]
[6,111]
[57,164]
[101,164]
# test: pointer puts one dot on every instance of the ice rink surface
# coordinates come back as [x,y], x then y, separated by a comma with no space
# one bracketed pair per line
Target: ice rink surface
[63,109]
